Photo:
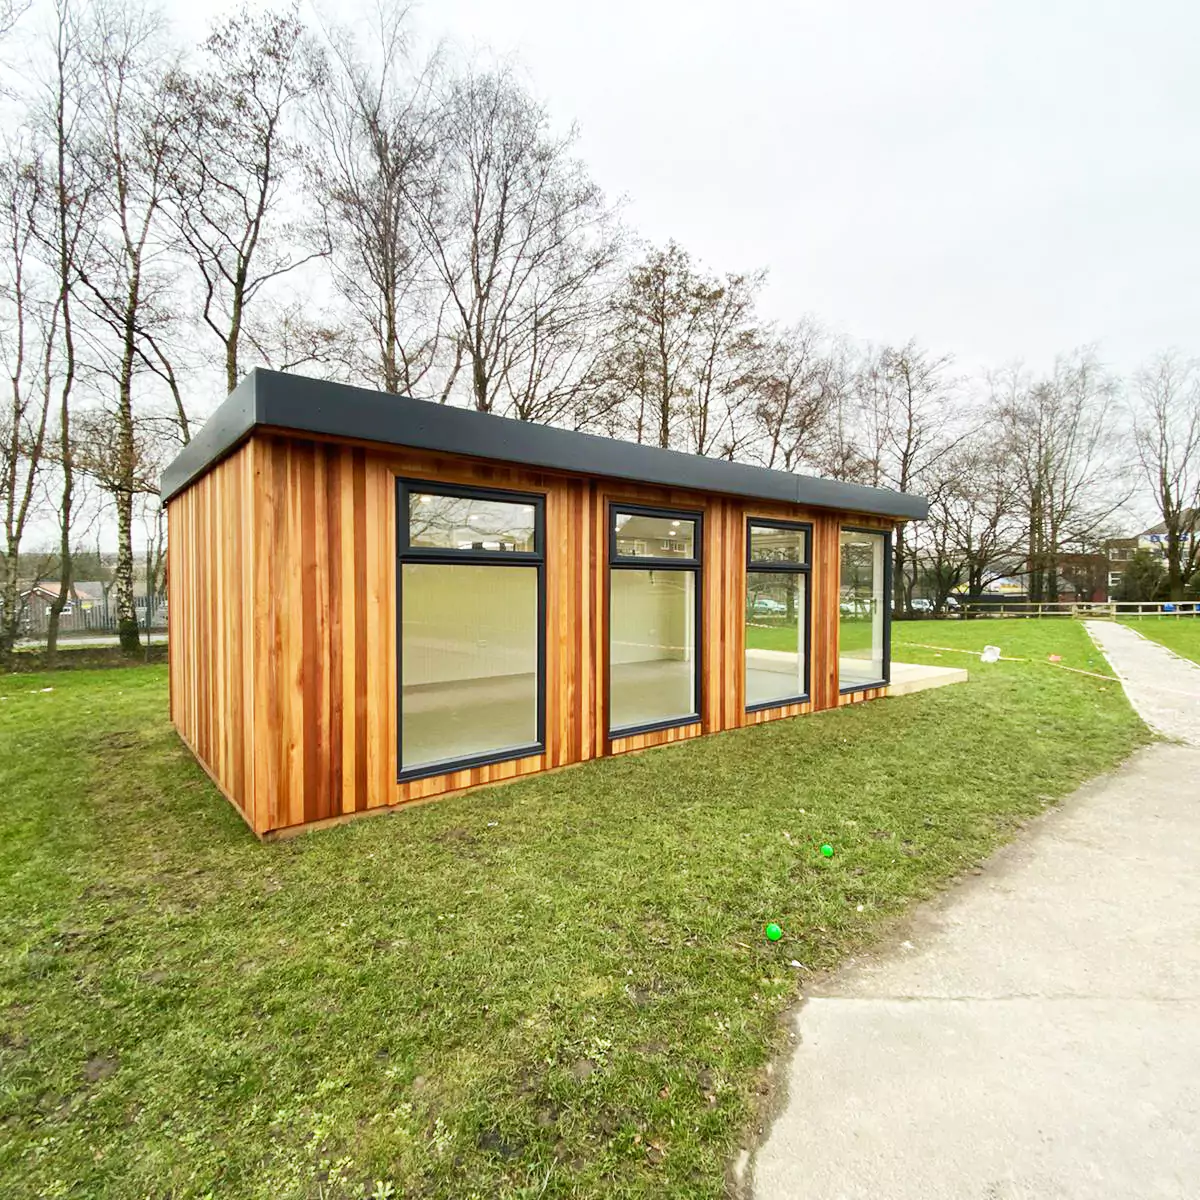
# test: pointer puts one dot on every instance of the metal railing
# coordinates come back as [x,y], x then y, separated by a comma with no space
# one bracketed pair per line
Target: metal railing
[86,617]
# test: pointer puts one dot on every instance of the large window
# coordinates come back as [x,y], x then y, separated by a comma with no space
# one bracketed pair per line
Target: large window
[653,619]
[471,626]
[863,627]
[777,568]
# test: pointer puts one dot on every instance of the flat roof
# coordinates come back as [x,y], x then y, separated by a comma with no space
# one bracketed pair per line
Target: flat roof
[297,404]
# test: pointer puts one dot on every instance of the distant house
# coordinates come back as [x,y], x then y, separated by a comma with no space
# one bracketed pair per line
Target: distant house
[1083,577]
[82,597]
[1120,551]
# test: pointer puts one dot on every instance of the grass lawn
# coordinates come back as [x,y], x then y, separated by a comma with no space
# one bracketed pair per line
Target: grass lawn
[775,633]
[555,988]
[1181,634]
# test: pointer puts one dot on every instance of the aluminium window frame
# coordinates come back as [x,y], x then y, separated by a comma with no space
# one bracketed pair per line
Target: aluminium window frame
[407,554]
[632,562]
[756,566]
[886,534]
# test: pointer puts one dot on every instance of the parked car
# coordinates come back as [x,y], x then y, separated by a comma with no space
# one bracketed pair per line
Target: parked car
[764,604]
[921,605]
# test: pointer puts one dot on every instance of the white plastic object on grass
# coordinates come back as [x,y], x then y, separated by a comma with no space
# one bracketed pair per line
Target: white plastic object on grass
[990,654]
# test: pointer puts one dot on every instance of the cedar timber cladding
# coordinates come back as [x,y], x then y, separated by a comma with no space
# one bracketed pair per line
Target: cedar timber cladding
[283,644]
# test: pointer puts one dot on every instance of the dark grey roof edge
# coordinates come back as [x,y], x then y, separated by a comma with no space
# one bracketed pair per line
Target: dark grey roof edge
[222,432]
[295,402]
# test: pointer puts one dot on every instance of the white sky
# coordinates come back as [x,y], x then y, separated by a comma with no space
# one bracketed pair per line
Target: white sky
[1002,180]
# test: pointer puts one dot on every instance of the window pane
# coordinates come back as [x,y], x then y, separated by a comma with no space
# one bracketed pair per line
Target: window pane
[860,656]
[775,637]
[770,543]
[655,537]
[469,523]
[468,660]
[652,646]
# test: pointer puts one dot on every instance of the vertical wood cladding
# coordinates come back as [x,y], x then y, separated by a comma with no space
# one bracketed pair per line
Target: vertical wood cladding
[282,594]
[211,587]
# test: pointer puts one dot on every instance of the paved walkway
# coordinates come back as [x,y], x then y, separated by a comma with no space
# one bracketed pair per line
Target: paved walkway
[1163,687]
[1036,1035]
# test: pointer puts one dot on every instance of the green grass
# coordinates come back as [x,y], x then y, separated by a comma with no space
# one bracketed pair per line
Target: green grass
[555,988]
[1181,634]
[777,633]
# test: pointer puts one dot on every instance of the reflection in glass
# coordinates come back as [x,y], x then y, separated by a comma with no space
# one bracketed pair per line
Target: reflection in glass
[652,646]
[468,661]
[775,637]
[470,523]
[861,603]
[640,536]
[777,544]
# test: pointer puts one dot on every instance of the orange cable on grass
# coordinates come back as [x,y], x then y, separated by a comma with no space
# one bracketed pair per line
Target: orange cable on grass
[1008,658]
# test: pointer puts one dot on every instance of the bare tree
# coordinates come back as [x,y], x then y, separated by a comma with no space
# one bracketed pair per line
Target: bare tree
[28,330]
[729,350]
[238,157]
[1166,425]
[11,11]
[370,168]
[131,157]
[516,229]
[552,367]
[974,532]
[685,355]
[1060,431]
[655,328]
[906,400]
[64,234]
[122,469]
[797,388]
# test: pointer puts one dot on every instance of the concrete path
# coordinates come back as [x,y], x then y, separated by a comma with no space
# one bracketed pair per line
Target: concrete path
[1164,688]
[1036,1033]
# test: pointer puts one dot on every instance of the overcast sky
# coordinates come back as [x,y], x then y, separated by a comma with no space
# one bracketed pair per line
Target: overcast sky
[1001,180]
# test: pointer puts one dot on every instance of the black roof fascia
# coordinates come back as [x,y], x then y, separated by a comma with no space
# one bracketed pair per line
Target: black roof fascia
[223,432]
[303,405]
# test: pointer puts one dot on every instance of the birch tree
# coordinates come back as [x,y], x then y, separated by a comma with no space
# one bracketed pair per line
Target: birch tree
[1061,432]
[371,169]
[240,157]
[1166,427]
[516,230]
[28,330]
[127,278]
[65,225]
[906,397]
[797,388]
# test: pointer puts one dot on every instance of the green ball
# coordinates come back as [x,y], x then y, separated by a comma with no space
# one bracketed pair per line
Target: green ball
[827,850]
[774,933]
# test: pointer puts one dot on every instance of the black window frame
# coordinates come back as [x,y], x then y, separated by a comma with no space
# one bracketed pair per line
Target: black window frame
[535,559]
[886,534]
[639,562]
[758,566]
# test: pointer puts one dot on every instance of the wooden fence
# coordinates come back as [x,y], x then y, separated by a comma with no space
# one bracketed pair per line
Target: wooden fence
[1088,609]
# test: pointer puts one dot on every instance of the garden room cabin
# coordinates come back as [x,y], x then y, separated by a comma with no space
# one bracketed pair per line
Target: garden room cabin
[376,600]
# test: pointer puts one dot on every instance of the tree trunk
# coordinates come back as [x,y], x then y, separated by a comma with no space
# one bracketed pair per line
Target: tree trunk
[127,626]
[10,612]
[65,558]
[899,559]
[235,333]
[65,264]
[1175,585]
